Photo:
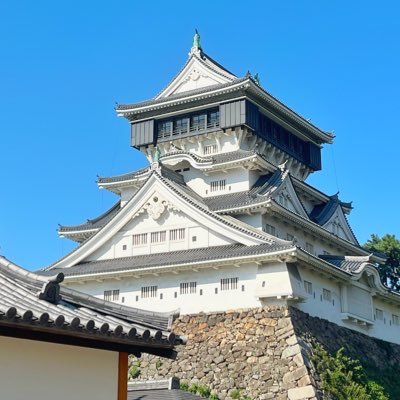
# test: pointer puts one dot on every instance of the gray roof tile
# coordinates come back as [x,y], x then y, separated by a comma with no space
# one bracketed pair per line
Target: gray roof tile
[166,259]
[351,264]
[38,302]
[161,394]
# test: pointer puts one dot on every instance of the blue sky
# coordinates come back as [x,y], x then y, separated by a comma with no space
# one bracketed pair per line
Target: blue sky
[63,65]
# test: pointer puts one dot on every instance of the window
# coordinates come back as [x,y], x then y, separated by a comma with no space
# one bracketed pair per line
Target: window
[164,128]
[115,295]
[198,122]
[148,291]
[395,319]
[124,247]
[188,287]
[194,238]
[308,287]
[177,234]
[213,119]
[210,149]
[289,236]
[229,283]
[270,229]
[180,126]
[219,185]
[378,314]
[111,295]
[158,237]
[139,239]
[326,295]
[309,248]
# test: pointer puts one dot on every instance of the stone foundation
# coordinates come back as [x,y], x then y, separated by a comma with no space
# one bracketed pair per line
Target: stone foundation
[263,352]
[255,351]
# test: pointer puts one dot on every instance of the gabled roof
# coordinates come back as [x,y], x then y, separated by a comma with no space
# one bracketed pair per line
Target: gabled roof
[202,76]
[152,262]
[34,303]
[321,213]
[172,185]
[351,264]
[201,69]
[91,225]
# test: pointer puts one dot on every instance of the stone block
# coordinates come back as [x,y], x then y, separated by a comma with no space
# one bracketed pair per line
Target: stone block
[291,351]
[301,393]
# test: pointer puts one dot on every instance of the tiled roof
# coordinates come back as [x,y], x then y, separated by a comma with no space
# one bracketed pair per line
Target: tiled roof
[124,177]
[92,224]
[323,212]
[167,389]
[123,107]
[33,302]
[161,394]
[180,257]
[351,264]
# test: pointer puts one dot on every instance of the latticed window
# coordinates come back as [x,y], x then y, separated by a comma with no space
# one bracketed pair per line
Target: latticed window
[210,149]
[148,291]
[177,234]
[213,119]
[270,229]
[326,295]
[188,287]
[229,283]
[217,186]
[308,287]
[198,122]
[158,237]
[140,239]
[395,319]
[111,295]
[379,314]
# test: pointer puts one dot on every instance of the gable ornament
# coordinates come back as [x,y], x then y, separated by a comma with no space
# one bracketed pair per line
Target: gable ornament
[156,207]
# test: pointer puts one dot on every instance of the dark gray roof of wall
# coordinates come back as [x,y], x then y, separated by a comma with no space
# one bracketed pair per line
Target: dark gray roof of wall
[124,177]
[349,264]
[180,257]
[95,223]
[161,394]
[36,302]
[122,107]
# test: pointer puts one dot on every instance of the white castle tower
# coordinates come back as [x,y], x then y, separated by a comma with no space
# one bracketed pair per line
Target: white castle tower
[223,218]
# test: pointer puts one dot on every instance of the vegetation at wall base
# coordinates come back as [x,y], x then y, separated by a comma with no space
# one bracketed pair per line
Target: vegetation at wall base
[205,391]
[343,378]
[390,270]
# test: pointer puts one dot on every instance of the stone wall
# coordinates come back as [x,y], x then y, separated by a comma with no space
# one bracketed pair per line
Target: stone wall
[253,350]
[264,352]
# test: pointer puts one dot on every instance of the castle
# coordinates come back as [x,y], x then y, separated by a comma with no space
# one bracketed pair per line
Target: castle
[222,218]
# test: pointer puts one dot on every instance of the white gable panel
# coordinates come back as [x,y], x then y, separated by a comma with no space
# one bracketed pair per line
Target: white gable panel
[339,226]
[195,75]
[181,233]
[286,196]
[167,199]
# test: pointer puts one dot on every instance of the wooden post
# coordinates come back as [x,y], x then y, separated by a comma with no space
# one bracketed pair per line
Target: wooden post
[123,376]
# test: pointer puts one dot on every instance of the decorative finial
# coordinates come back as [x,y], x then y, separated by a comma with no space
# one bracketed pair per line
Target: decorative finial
[155,165]
[248,74]
[196,40]
[196,48]
[257,79]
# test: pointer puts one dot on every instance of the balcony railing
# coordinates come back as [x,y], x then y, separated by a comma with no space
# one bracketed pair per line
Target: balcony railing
[187,131]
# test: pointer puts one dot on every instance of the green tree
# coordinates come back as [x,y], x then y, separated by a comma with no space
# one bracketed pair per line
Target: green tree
[390,246]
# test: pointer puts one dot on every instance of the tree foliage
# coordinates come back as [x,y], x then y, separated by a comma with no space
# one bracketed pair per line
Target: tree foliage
[390,246]
[343,378]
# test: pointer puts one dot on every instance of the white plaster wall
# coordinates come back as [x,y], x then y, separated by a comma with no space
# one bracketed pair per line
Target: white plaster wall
[332,311]
[40,371]
[255,220]
[204,237]
[273,281]
[169,283]
[301,236]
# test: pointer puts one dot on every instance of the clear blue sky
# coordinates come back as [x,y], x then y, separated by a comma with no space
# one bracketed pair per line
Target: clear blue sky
[64,64]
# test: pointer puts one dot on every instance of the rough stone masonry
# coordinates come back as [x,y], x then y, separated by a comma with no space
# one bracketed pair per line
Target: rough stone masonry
[263,352]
